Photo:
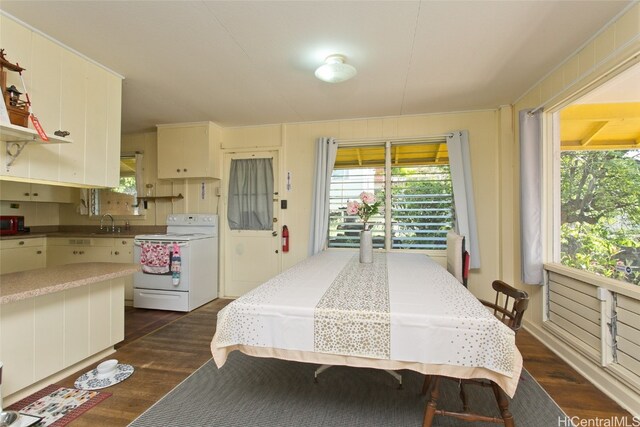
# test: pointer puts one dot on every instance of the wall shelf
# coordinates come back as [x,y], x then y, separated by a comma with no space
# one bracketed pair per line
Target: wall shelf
[145,199]
[17,137]
[14,133]
[154,198]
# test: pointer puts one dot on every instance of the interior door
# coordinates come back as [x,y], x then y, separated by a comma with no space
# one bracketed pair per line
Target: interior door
[251,256]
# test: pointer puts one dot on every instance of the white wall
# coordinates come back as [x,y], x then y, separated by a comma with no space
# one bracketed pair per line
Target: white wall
[35,213]
[298,141]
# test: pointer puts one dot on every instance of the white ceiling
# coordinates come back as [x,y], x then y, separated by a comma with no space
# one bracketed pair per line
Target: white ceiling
[251,62]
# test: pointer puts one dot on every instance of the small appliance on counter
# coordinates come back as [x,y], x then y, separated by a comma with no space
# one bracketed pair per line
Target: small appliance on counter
[11,224]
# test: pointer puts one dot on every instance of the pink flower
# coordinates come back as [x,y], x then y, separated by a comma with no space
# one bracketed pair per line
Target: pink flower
[352,207]
[367,198]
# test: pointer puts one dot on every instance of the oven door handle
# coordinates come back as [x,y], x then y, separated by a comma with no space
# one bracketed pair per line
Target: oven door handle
[140,242]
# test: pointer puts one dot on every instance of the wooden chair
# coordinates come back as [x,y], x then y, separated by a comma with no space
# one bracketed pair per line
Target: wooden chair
[510,312]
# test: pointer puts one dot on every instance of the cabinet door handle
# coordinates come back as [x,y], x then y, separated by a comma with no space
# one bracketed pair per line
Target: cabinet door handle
[124,242]
[116,253]
[178,170]
[185,169]
[26,194]
[75,252]
[38,252]
[21,242]
[35,194]
[81,252]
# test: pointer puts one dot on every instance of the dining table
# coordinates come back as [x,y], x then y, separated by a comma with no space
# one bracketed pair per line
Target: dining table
[402,311]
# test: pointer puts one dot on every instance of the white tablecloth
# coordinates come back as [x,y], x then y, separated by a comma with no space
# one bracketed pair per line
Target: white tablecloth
[404,311]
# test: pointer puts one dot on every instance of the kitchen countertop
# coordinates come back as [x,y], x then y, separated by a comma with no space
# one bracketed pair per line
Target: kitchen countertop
[32,283]
[125,234]
[86,231]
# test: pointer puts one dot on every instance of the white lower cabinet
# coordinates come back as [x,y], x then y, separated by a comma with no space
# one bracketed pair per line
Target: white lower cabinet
[22,254]
[43,335]
[123,252]
[72,250]
[76,304]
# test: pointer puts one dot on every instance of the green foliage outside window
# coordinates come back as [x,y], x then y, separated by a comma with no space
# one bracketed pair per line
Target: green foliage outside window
[600,212]
[127,185]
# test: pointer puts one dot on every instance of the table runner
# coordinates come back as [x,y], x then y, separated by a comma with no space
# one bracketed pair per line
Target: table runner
[436,325]
[352,317]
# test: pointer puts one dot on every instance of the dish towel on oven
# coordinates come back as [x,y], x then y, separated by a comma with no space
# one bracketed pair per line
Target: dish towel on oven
[154,258]
[175,264]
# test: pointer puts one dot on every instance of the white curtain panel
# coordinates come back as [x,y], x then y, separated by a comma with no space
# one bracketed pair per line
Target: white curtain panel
[326,151]
[250,201]
[460,167]
[531,196]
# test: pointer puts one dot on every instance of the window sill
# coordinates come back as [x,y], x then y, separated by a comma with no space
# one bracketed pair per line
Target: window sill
[595,280]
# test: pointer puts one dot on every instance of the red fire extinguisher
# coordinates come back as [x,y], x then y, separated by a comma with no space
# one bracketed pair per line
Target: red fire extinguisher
[285,239]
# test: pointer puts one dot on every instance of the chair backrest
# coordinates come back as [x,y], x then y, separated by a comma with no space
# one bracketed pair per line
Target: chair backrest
[456,259]
[511,310]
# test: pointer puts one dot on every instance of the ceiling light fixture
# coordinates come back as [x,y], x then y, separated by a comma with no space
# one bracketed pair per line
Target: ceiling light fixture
[335,70]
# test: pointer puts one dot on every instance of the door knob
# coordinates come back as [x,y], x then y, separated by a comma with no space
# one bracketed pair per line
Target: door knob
[274,234]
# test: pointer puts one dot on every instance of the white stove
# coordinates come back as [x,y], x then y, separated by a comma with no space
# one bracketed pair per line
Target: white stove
[179,268]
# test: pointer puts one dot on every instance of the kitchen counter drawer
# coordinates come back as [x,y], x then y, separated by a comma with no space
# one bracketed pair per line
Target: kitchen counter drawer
[22,254]
[80,241]
[22,243]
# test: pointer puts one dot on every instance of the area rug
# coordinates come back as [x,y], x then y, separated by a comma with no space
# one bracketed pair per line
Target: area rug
[252,391]
[57,405]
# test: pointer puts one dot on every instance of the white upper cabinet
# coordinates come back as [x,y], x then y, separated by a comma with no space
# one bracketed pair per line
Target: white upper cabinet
[72,116]
[16,42]
[96,130]
[189,150]
[114,121]
[24,191]
[44,92]
[68,93]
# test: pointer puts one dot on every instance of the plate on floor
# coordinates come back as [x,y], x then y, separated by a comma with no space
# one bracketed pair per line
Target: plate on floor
[93,381]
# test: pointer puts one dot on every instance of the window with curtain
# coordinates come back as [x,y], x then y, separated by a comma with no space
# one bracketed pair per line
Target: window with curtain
[414,183]
[250,205]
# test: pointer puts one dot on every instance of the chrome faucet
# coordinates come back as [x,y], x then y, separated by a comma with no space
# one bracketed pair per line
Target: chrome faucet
[113,223]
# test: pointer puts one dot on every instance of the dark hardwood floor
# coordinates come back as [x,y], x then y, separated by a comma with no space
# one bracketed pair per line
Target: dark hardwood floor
[571,391]
[166,347]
